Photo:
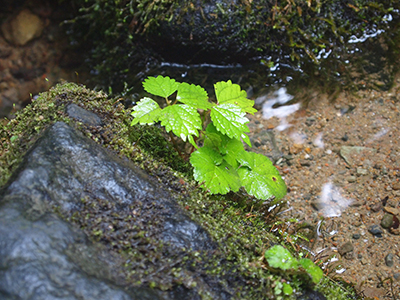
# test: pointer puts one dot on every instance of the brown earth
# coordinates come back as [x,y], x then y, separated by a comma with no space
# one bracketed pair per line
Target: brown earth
[342,195]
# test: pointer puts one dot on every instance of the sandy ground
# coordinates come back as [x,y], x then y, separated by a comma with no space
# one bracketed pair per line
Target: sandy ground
[341,162]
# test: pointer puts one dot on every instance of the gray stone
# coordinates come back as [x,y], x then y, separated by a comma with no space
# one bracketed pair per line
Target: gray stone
[81,114]
[43,257]
[389,260]
[375,230]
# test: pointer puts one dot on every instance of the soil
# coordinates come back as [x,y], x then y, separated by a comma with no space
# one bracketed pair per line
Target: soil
[341,196]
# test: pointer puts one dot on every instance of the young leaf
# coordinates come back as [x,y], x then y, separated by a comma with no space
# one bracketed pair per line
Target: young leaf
[229,119]
[160,86]
[312,269]
[279,257]
[193,95]
[182,119]
[209,167]
[259,176]
[146,111]
[287,289]
[227,92]
[224,144]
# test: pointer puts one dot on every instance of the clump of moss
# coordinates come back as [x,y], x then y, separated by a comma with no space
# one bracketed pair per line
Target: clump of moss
[241,230]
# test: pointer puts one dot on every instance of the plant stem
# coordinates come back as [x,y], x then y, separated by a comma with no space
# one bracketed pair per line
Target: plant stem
[175,145]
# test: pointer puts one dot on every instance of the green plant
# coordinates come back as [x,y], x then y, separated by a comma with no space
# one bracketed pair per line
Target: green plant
[279,257]
[220,162]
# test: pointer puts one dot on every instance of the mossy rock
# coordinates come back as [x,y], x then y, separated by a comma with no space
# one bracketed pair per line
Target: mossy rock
[242,232]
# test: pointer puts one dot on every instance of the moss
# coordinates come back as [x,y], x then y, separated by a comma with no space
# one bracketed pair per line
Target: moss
[242,231]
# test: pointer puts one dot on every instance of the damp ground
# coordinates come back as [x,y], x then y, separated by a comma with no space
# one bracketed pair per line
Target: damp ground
[341,162]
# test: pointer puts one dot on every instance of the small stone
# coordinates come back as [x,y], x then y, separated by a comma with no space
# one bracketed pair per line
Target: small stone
[389,260]
[396,186]
[376,206]
[346,248]
[375,230]
[351,179]
[364,261]
[392,210]
[387,221]
[356,236]
[396,276]
[362,171]
[296,148]
[305,162]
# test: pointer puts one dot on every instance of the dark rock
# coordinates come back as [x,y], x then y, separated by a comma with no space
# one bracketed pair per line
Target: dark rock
[375,230]
[356,236]
[80,114]
[38,249]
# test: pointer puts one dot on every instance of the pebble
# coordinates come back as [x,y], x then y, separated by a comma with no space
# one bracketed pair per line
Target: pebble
[387,221]
[351,179]
[375,230]
[376,206]
[305,162]
[389,260]
[346,248]
[356,236]
[391,210]
[362,171]
[396,186]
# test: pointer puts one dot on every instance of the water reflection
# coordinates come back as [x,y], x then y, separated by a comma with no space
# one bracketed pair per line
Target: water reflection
[275,107]
[331,202]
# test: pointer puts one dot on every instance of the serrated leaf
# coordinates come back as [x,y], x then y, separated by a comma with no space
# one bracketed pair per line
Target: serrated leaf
[227,146]
[160,86]
[312,269]
[193,95]
[259,176]
[227,92]
[146,111]
[218,176]
[182,119]
[229,119]
[279,257]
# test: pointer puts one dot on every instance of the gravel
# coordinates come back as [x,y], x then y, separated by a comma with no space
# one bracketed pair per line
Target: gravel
[341,162]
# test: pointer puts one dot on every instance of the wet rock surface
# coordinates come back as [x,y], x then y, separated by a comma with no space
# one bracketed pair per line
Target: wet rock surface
[45,257]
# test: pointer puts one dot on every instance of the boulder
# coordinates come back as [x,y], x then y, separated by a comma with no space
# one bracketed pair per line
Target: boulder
[42,256]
